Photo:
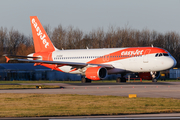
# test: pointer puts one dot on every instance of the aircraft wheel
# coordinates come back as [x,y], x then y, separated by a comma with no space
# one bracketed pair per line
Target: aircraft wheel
[88,80]
[123,79]
[85,80]
[118,80]
[154,80]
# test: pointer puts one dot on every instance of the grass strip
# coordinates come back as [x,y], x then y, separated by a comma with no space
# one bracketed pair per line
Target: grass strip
[41,105]
[27,86]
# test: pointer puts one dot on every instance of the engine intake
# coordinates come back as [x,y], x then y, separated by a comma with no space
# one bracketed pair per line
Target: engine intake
[96,73]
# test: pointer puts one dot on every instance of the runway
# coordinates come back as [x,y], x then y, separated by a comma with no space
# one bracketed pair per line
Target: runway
[154,90]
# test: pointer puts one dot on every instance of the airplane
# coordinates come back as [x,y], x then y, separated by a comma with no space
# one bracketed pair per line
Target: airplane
[96,64]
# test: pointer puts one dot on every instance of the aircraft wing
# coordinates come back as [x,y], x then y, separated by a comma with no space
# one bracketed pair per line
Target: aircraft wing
[60,62]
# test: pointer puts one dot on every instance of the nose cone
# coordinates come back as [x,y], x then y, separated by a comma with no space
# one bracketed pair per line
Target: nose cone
[175,62]
[170,62]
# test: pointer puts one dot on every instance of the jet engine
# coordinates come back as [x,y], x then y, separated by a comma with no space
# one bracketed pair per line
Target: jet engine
[96,73]
[149,75]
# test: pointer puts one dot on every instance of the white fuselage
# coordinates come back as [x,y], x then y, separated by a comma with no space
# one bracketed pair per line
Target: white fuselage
[131,62]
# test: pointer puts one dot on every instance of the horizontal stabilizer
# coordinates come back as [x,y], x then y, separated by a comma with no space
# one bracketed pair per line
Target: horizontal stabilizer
[18,56]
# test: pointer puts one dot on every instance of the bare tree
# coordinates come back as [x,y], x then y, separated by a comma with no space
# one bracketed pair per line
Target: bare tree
[13,42]
[78,36]
[58,37]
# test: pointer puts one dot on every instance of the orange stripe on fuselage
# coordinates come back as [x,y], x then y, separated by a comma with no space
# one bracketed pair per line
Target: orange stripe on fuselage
[126,53]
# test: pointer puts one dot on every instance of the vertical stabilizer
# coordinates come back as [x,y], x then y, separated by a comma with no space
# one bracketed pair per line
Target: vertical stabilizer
[42,43]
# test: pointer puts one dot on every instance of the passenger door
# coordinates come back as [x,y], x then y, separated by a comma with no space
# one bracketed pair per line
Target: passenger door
[145,57]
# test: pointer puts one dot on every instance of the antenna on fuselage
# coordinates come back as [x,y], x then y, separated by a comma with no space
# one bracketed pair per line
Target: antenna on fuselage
[152,45]
[87,47]
[62,48]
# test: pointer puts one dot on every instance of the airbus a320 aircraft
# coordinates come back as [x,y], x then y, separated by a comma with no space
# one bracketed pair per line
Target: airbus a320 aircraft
[96,64]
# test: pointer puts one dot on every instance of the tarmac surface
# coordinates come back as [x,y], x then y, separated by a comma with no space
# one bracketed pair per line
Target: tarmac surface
[154,90]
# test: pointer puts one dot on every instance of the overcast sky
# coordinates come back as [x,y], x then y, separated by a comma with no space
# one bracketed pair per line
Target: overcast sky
[159,15]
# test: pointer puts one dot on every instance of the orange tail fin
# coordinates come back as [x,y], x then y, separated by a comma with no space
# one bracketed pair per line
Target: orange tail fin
[42,43]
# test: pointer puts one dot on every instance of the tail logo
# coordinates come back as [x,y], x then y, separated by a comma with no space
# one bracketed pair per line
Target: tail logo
[39,33]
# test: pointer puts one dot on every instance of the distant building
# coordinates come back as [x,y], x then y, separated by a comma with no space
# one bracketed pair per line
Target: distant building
[27,71]
[174,73]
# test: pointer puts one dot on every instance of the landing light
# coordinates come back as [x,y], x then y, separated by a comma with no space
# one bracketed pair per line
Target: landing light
[38,87]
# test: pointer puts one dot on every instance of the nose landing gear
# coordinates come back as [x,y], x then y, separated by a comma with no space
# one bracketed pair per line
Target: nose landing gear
[154,75]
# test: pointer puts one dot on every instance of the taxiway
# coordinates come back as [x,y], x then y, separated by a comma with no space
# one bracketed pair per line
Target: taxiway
[154,90]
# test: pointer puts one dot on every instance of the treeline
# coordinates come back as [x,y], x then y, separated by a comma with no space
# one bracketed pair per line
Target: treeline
[13,42]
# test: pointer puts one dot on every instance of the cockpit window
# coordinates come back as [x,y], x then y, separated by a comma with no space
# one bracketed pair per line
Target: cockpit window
[165,54]
[161,54]
[157,55]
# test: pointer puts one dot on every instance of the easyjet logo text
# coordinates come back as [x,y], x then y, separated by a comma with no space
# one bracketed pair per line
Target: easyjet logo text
[137,52]
[40,34]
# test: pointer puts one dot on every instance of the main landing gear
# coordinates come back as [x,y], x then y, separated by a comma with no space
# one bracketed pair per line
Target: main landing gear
[121,79]
[85,80]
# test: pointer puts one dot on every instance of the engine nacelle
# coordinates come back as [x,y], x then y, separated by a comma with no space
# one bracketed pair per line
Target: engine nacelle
[96,73]
[148,76]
